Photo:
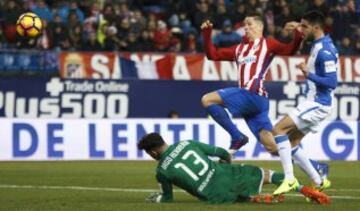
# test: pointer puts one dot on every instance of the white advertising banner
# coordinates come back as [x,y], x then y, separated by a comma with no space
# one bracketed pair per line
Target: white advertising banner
[102,139]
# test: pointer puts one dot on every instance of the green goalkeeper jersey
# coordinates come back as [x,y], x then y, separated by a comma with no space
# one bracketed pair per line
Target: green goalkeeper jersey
[187,165]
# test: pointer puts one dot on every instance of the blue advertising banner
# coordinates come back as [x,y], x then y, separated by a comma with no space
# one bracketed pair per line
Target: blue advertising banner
[70,98]
[49,118]
[110,139]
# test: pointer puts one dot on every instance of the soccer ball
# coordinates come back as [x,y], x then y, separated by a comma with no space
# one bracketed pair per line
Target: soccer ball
[29,25]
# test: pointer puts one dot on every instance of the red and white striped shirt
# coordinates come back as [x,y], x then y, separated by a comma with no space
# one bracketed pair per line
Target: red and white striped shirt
[252,57]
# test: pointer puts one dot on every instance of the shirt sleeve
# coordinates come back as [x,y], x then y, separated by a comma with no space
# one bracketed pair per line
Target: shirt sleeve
[285,49]
[213,53]
[166,188]
[213,151]
[326,67]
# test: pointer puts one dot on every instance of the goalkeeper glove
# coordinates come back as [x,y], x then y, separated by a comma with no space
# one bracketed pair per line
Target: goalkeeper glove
[154,198]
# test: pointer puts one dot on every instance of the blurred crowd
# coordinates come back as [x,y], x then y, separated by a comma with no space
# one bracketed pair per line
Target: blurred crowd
[168,25]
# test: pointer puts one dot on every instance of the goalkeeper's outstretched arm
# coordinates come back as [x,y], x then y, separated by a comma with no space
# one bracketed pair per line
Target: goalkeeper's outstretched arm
[214,151]
[166,194]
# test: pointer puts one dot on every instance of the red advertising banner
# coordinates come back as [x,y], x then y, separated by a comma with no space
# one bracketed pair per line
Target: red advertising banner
[183,67]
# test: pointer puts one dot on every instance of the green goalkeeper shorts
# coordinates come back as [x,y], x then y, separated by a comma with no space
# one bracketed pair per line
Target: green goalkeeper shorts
[248,180]
[236,182]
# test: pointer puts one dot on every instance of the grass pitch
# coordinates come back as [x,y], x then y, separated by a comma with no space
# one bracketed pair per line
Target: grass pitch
[123,185]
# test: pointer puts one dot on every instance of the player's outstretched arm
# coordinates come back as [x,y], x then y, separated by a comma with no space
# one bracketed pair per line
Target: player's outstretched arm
[286,49]
[211,51]
[153,198]
[214,151]
[166,194]
[328,81]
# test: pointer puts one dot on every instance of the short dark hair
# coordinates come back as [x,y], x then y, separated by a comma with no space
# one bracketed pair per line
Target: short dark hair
[315,17]
[257,16]
[150,141]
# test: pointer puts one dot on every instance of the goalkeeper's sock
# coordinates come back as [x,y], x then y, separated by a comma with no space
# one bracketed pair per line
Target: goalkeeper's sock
[299,188]
[276,177]
[284,150]
[219,114]
[301,159]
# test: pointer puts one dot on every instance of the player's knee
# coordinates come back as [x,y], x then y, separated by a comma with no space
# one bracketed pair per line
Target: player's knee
[271,148]
[277,131]
[206,100]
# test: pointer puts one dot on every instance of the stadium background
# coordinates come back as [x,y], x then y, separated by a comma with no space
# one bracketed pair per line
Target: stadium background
[103,73]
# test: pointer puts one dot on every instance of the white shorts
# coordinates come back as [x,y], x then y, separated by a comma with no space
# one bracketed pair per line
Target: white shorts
[308,115]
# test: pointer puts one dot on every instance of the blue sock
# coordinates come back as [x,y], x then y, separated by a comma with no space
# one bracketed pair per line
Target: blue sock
[219,114]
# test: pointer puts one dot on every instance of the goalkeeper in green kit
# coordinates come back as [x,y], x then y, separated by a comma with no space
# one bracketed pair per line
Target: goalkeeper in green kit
[186,164]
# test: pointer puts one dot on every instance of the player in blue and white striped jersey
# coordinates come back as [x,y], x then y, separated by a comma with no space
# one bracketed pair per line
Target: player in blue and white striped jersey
[321,79]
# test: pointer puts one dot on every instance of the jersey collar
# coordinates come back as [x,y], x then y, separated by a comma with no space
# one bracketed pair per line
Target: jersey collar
[325,37]
[166,152]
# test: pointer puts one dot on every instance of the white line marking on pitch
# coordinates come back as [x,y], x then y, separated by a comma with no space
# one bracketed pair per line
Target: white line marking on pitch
[78,188]
[131,189]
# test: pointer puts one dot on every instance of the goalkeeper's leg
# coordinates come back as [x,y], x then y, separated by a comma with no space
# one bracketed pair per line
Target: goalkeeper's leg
[276,178]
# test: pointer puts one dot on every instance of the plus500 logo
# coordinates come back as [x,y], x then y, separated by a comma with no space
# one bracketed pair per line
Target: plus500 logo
[67,105]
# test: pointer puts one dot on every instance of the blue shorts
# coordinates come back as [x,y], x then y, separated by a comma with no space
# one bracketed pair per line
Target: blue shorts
[252,107]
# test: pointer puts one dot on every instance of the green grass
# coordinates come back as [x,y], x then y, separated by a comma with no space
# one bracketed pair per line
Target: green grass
[140,175]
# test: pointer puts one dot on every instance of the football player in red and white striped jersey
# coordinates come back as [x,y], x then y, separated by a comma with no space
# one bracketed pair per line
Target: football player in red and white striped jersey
[252,56]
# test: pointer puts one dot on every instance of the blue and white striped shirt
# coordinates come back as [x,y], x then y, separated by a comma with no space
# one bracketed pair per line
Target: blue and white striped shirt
[323,66]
